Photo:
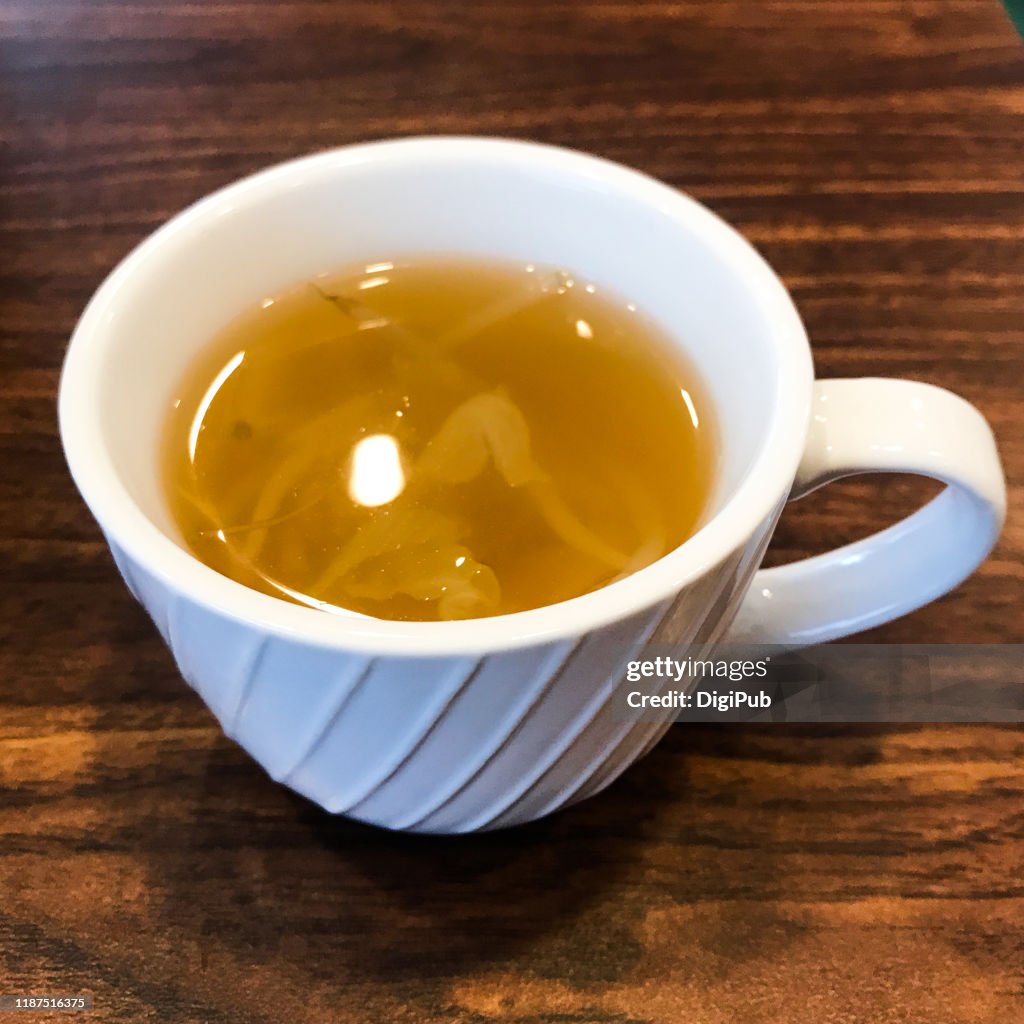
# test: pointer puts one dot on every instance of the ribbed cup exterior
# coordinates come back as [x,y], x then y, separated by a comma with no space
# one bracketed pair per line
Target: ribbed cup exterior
[443,744]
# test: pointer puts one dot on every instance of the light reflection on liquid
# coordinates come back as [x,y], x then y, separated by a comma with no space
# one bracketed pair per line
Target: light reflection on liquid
[376,476]
[204,404]
[690,407]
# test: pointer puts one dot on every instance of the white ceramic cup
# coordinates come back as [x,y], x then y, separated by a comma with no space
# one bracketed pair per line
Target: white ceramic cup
[457,726]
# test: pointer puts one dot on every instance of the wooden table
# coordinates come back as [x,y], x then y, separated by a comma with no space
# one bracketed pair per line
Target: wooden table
[875,153]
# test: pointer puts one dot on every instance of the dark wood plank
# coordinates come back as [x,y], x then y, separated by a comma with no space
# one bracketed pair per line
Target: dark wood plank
[872,150]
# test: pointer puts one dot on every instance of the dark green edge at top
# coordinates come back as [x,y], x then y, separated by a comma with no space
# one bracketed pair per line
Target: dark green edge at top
[1015,8]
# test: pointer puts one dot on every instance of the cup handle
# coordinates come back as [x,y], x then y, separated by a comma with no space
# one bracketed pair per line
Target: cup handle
[875,425]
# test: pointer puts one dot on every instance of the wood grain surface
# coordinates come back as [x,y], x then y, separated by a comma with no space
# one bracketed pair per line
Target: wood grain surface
[874,151]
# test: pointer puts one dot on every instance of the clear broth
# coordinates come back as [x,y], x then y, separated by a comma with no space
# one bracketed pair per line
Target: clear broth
[438,439]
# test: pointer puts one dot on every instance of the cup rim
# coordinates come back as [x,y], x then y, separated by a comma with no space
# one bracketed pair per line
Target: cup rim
[752,502]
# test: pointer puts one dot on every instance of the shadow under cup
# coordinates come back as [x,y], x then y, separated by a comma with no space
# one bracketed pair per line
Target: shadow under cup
[327,705]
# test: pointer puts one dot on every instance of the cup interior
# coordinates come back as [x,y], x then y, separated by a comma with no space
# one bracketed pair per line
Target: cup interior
[694,276]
